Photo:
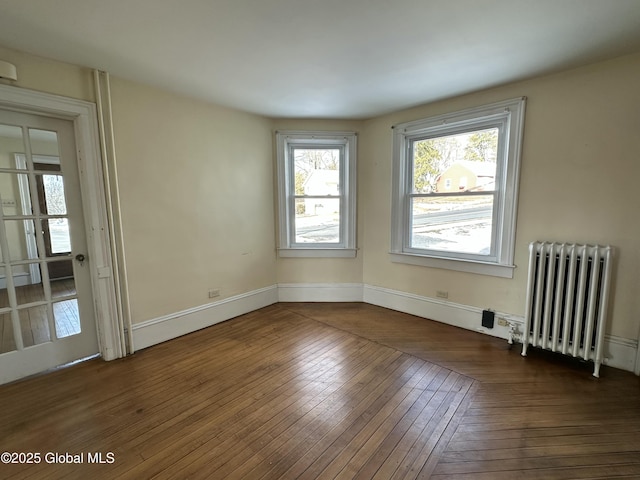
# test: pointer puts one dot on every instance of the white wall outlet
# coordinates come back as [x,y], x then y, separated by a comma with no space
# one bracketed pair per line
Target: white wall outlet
[442,294]
[214,292]
[502,322]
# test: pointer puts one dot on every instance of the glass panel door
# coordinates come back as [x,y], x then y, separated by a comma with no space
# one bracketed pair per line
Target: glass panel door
[46,312]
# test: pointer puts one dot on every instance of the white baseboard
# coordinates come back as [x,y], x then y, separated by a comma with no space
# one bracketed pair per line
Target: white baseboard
[619,352]
[161,329]
[320,292]
[456,314]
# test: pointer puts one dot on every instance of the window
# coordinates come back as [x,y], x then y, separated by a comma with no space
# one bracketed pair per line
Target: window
[455,189]
[316,193]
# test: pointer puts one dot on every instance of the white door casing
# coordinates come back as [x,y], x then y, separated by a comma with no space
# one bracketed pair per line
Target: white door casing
[83,116]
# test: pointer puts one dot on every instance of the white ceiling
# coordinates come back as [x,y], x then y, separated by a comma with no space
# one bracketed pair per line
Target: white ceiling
[323,58]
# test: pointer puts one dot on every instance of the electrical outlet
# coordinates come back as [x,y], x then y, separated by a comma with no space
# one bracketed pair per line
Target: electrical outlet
[502,322]
[442,294]
[213,293]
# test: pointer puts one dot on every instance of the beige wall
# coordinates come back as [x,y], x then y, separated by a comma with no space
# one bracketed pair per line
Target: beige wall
[321,270]
[579,169]
[196,186]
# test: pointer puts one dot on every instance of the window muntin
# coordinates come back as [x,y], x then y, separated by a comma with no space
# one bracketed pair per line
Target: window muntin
[316,180]
[455,187]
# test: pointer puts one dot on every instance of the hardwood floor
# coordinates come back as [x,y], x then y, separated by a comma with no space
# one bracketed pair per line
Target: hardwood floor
[327,391]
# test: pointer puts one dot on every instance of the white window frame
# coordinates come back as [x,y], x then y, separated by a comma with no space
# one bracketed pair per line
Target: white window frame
[508,117]
[285,142]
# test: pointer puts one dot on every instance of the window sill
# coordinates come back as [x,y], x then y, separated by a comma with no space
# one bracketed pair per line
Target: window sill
[317,252]
[469,266]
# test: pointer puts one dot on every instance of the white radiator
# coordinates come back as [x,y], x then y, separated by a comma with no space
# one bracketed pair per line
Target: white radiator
[567,296]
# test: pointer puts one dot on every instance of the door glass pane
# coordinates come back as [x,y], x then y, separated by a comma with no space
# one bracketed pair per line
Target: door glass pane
[22,240]
[54,200]
[14,191]
[28,274]
[67,318]
[56,236]
[7,340]
[4,299]
[63,287]
[455,224]
[60,268]
[29,293]
[43,142]
[10,143]
[317,220]
[34,322]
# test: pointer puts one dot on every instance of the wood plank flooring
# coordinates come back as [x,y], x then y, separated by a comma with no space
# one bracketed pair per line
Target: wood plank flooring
[327,391]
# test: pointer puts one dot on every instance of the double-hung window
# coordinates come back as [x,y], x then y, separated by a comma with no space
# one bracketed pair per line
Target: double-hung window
[455,182]
[316,193]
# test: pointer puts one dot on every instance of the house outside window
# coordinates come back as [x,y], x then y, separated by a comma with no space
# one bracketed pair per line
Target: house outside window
[316,193]
[455,184]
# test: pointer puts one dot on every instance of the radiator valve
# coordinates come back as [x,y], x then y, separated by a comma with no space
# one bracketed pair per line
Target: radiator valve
[513,332]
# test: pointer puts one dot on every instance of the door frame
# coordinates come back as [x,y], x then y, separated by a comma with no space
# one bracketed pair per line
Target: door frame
[83,115]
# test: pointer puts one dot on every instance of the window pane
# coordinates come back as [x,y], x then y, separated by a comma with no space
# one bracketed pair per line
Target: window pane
[317,220]
[317,171]
[456,163]
[452,224]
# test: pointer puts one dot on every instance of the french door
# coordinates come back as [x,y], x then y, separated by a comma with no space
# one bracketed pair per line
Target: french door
[46,306]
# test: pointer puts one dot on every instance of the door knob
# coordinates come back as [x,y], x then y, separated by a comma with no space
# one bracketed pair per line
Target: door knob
[80,257]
